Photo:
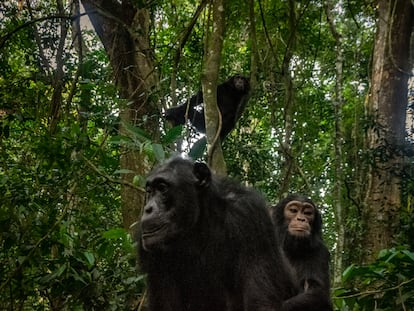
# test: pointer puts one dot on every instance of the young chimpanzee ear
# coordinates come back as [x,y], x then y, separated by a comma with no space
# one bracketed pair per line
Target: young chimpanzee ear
[203,174]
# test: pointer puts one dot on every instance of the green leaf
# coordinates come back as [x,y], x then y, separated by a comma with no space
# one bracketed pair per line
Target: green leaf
[138,180]
[115,233]
[90,258]
[348,273]
[383,253]
[198,149]
[55,274]
[391,256]
[159,152]
[172,135]
[120,139]
[139,134]
[409,254]
[134,279]
[123,171]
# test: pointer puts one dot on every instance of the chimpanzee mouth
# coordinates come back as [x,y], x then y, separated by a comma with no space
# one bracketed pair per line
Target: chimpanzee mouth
[298,228]
[153,230]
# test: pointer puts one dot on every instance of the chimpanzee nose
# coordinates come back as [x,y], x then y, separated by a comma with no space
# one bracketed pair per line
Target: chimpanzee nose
[300,218]
[148,208]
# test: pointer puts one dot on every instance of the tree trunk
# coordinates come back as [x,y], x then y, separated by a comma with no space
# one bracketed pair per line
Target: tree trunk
[338,168]
[254,58]
[387,109]
[289,106]
[124,32]
[213,47]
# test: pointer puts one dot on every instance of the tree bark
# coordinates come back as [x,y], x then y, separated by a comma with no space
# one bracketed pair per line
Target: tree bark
[289,105]
[387,109]
[124,32]
[338,167]
[58,85]
[213,47]
[254,59]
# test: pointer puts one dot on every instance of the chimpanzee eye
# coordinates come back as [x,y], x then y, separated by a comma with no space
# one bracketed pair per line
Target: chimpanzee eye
[162,187]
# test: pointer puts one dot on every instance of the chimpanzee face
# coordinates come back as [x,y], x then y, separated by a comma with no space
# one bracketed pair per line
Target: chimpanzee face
[299,217]
[172,207]
[241,83]
[157,223]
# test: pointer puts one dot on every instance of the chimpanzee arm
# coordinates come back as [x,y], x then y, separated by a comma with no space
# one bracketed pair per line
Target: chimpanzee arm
[313,299]
[177,115]
[314,286]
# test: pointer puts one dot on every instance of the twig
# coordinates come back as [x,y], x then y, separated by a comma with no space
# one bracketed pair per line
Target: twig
[377,291]
[109,178]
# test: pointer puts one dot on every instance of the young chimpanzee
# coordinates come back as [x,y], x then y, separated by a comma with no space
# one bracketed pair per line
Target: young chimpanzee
[208,243]
[298,226]
[231,100]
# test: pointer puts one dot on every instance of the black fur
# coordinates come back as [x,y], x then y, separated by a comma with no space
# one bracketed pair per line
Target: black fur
[309,258]
[208,243]
[231,100]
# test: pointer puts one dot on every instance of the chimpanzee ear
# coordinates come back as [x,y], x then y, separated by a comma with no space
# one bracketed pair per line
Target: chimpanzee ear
[203,174]
[317,223]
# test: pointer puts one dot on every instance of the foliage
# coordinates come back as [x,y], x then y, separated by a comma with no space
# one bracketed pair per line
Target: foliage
[386,284]
[62,245]
[58,218]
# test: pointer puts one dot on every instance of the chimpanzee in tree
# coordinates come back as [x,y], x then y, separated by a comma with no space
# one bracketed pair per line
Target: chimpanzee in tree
[231,100]
[208,243]
[298,226]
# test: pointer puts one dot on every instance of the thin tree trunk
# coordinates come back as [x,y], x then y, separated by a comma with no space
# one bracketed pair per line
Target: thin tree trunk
[289,110]
[254,59]
[338,185]
[58,85]
[124,32]
[213,47]
[387,108]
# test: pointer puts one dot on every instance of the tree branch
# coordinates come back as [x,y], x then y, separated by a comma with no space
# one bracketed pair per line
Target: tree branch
[7,36]
[377,291]
[183,40]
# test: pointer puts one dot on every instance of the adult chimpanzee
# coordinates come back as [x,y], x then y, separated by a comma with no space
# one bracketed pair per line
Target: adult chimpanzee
[231,100]
[208,243]
[299,230]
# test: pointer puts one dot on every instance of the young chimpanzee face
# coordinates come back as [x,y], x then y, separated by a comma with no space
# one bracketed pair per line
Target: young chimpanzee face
[299,216]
